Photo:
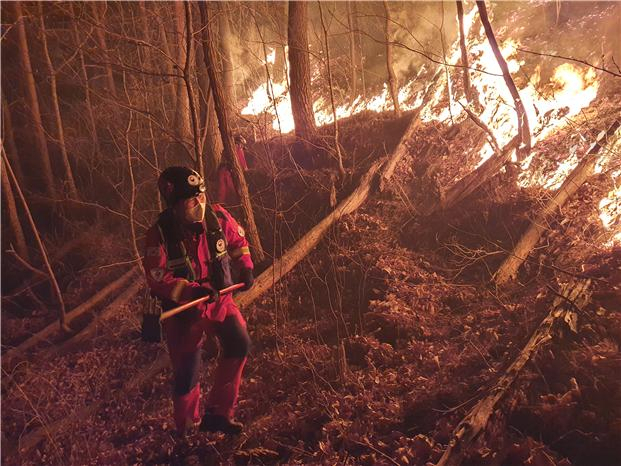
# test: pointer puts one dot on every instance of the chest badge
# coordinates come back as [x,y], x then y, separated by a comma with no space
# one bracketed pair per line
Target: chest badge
[220,245]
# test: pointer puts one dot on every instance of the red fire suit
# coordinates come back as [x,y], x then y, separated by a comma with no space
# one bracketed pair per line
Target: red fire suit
[184,333]
[226,189]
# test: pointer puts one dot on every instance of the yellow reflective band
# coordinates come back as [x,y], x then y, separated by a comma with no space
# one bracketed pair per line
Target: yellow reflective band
[239,252]
[175,295]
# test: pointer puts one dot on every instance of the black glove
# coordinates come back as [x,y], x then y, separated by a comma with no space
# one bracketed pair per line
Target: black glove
[202,291]
[246,276]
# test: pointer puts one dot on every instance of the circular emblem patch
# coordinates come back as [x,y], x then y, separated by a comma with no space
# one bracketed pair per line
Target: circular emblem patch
[194,180]
[157,274]
[220,245]
[240,231]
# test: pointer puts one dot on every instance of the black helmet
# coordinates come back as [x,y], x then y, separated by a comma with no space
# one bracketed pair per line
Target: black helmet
[177,183]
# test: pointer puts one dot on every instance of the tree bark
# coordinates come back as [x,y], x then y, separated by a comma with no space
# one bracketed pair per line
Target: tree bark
[352,50]
[33,103]
[187,78]
[523,126]
[464,52]
[474,423]
[8,138]
[16,227]
[227,136]
[337,146]
[71,187]
[183,121]
[392,78]
[226,48]
[55,287]
[299,64]
[509,268]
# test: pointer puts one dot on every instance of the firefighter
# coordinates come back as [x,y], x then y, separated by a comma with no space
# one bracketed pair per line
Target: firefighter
[190,253]
[227,193]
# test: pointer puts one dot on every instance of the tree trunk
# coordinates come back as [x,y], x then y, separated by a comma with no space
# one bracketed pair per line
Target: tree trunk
[71,188]
[103,47]
[33,104]
[226,48]
[352,50]
[55,287]
[8,138]
[464,52]
[213,140]
[187,78]
[392,78]
[523,127]
[358,46]
[170,104]
[16,227]
[475,422]
[509,268]
[227,137]
[299,63]
[183,121]
[337,146]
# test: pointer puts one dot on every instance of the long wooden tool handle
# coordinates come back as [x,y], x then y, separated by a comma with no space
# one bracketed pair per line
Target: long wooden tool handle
[183,307]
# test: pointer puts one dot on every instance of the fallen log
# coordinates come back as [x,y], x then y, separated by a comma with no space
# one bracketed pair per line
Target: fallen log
[52,329]
[110,310]
[473,180]
[509,268]
[413,127]
[572,295]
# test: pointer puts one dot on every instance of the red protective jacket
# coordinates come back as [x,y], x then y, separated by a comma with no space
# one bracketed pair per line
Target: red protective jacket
[179,290]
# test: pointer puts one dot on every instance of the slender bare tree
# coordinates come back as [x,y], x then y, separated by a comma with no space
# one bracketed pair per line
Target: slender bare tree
[33,102]
[464,52]
[393,85]
[227,136]
[16,227]
[523,127]
[72,190]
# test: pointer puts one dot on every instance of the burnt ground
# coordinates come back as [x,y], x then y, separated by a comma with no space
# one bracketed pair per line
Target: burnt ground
[406,297]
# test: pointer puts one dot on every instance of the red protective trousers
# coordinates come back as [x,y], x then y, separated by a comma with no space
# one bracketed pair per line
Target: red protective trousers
[184,336]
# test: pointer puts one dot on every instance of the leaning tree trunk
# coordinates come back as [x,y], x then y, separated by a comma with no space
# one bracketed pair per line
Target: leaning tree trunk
[16,227]
[33,103]
[8,139]
[509,268]
[464,52]
[71,187]
[573,296]
[523,127]
[227,137]
[392,77]
[299,71]
[55,287]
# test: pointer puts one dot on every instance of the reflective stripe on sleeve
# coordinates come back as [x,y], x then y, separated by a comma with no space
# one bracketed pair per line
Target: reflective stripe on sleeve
[236,253]
[175,295]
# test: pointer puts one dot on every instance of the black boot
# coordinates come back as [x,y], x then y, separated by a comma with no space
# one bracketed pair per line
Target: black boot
[218,423]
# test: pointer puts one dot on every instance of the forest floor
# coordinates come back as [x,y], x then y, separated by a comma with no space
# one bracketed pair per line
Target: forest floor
[425,336]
